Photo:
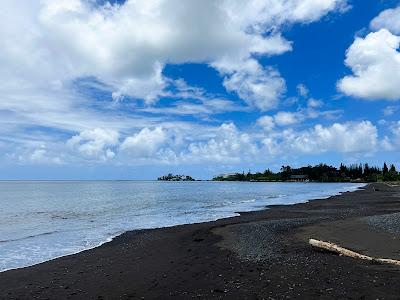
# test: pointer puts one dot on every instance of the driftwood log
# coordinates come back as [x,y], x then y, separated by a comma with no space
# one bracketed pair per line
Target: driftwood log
[346,252]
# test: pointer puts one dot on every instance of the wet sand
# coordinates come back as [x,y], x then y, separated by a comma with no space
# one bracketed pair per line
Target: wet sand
[259,255]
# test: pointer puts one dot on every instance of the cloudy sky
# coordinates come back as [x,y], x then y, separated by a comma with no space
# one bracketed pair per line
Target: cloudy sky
[96,89]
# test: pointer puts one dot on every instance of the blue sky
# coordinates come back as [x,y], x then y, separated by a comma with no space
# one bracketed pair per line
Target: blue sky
[135,89]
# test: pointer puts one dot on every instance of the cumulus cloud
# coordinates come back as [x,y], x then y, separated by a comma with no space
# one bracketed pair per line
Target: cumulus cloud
[349,137]
[282,119]
[266,122]
[127,45]
[225,144]
[40,156]
[145,143]
[344,138]
[375,63]
[289,118]
[271,12]
[389,19]
[96,144]
[285,118]
[228,145]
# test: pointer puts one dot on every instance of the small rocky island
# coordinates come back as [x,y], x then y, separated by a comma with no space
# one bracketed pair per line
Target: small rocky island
[171,177]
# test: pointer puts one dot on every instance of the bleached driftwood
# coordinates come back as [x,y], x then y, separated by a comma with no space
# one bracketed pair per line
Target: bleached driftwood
[346,252]
[387,261]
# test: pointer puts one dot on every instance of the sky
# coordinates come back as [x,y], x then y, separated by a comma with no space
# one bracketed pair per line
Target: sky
[135,89]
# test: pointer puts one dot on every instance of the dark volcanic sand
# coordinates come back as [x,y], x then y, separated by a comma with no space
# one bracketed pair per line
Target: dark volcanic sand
[260,255]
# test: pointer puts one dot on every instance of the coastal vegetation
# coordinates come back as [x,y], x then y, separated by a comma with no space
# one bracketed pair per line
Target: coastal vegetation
[319,173]
[171,177]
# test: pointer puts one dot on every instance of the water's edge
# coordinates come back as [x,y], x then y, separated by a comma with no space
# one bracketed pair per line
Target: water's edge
[237,214]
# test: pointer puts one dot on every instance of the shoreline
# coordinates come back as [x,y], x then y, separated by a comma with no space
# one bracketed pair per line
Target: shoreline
[234,214]
[207,259]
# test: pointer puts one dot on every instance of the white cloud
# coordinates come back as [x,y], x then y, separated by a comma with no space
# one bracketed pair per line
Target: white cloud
[145,143]
[35,153]
[344,138]
[375,62]
[127,45]
[302,90]
[40,156]
[266,122]
[389,19]
[288,118]
[314,103]
[53,44]
[96,144]
[285,118]
[147,88]
[387,145]
[390,110]
[228,145]
[395,128]
[224,144]
[261,87]
[255,13]
[194,101]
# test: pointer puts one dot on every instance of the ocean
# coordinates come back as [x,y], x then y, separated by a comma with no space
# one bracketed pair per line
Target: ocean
[42,220]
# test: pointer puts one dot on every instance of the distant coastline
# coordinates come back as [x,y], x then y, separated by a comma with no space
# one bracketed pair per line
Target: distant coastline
[319,173]
[355,173]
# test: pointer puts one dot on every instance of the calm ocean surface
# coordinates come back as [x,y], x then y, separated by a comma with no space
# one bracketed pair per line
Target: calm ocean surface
[43,220]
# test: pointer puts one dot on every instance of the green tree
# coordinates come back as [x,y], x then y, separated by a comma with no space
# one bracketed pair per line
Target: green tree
[286,172]
[367,171]
[391,175]
[385,169]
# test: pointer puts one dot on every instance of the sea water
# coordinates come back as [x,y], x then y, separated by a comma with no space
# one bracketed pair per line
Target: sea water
[40,221]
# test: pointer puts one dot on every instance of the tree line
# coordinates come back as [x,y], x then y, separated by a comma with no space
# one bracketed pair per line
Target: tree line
[320,173]
[171,177]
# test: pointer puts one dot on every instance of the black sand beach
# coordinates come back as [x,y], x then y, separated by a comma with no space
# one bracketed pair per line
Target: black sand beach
[259,255]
